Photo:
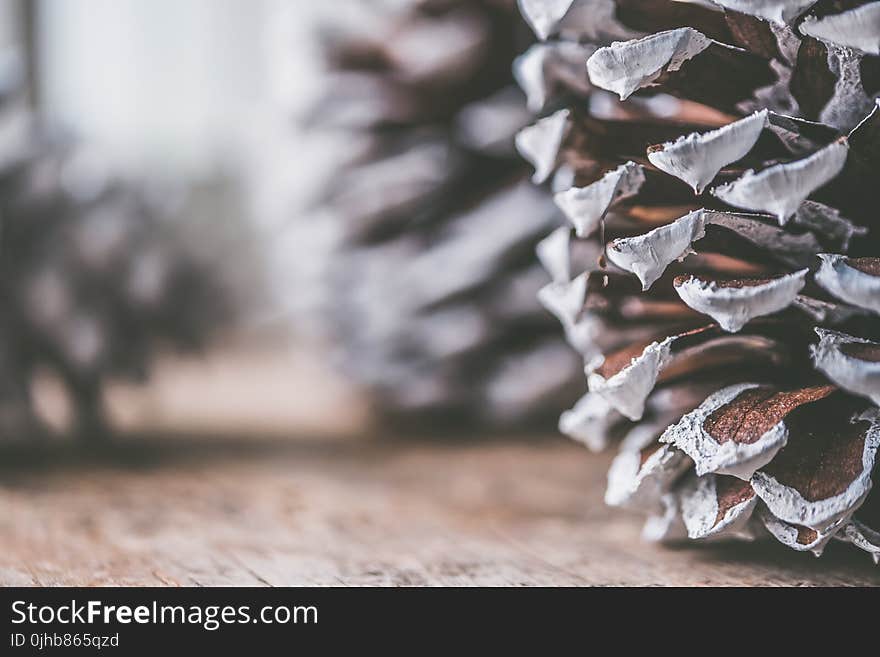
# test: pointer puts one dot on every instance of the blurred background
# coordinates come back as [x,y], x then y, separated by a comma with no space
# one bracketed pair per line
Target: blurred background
[268,284]
[138,132]
[280,218]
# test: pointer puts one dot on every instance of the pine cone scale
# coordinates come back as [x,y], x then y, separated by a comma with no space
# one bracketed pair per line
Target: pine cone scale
[777,249]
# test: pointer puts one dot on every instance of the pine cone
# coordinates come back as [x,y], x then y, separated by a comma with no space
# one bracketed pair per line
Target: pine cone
[93,274]
[715,164]
[432,288]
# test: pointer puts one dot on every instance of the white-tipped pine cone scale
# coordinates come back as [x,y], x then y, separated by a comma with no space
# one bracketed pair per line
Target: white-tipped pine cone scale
[723,157]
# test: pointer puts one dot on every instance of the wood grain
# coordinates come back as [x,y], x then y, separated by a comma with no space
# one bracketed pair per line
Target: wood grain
[206,512]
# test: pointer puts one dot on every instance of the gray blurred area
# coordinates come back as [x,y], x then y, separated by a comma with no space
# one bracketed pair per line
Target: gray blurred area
[169,99]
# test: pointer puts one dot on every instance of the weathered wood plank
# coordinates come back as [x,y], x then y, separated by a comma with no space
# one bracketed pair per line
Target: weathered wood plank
[190,512]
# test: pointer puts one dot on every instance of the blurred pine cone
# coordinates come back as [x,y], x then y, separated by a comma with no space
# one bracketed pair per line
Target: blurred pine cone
[94,275]
[729,321]
[433,281]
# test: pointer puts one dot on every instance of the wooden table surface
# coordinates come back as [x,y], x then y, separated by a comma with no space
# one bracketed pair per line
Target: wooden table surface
[174,511]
